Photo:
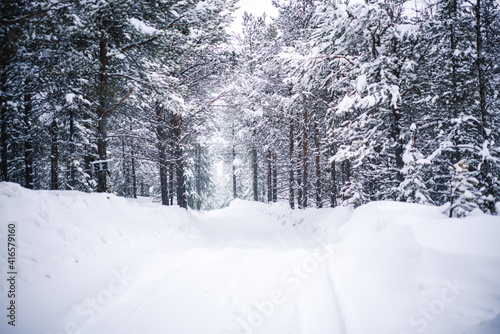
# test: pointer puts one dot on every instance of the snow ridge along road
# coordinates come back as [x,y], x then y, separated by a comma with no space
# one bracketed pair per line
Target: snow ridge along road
[97,263]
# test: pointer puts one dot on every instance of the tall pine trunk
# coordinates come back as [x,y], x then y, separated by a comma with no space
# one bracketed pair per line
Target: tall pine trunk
[485,167]
[71,170]
[179,162]
[54,155]
[454,74]
[275,178]
[134,176]
[304,153]
[333,184]
[102,114]
[4,156]
[171,183]
[291,177]
[254,174]
[317,163]
[28,143]
[235,194]
[269,177]
[198,177]
[161,137]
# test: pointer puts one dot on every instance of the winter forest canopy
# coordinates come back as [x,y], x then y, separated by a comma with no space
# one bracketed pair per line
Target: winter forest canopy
[330,103]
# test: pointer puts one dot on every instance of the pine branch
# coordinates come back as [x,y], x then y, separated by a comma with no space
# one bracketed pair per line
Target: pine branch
[152,39]
[25,18]
[120,103]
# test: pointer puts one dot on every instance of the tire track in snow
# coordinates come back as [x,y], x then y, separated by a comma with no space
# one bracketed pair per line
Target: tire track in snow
[342,304]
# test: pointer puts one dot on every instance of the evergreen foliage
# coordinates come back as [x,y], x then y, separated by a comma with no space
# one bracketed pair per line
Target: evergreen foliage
[319,106]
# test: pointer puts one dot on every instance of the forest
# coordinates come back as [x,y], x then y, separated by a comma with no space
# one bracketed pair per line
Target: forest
[330,103]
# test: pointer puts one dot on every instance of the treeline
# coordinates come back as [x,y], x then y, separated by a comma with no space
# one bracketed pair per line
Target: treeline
[130,81]
[341,103]
[327,104]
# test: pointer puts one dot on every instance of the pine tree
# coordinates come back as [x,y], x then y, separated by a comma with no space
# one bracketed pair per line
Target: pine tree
[464,196]
[413,188]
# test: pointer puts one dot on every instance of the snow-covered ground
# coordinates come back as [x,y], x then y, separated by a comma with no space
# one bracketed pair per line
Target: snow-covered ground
[97,263]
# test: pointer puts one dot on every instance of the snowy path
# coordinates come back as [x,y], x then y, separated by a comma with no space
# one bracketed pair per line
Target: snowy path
[251,275]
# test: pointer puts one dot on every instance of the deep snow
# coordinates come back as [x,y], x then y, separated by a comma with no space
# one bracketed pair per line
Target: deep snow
[97,263]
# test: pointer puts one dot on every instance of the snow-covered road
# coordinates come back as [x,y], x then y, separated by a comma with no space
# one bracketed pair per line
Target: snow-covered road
[100,264]
[249,274]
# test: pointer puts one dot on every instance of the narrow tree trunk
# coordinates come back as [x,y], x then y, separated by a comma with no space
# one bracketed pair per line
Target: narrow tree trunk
[269,177]
[275,178]
[102,114]
[291,177]
[179,163]
[299,178]
[4,156]
[54,156]
[254,174]
[399,149]
[162,154]
[198,178]
[134,176]
[346,173]
[171,183]
[486,167]
[454,77]
[89,150]
[304,153]
[163,176]
[333,178]
[71,173]
[317,161]
[28,144]
[235,194]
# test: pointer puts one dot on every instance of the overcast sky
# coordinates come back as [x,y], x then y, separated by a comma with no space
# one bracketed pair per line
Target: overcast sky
[256,7]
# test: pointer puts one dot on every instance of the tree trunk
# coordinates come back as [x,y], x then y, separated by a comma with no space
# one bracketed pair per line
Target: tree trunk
[71,170]
[198,178]
[346,173]
[333,178]
[254,174]
[28,144]
[275,178]
[179,163]
[102,114]
[300,203]
[163,177]
[4,171]
[399,149]
[89,150]
[235,194]
[171,183]
[162,154]
[54,156]
[317,161]
[454,78]
[291,177]
[486,167]
[134,176]
[269,177]
[304,153]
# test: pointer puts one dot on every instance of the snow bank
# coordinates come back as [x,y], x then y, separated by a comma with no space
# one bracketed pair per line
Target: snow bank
[97,263]
[406,268]
[71,245]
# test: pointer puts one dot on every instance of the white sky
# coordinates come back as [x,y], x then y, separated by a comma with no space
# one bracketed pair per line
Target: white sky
[256,7]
